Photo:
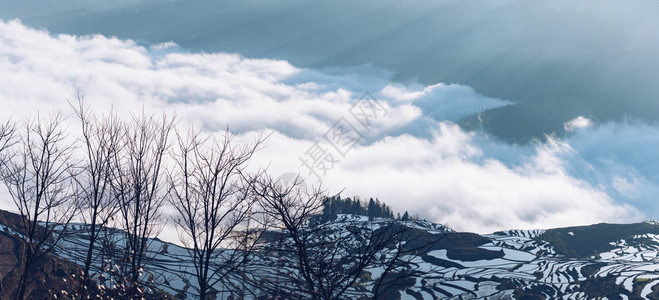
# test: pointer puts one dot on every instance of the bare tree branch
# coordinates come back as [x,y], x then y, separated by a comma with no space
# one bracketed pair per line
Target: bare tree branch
[7,132]
[101,139]
[39,180]
[322,259]
[211,194]
[139,186]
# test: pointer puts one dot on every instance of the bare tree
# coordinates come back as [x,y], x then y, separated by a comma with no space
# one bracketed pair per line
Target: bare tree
[39,180]
[211,195]
[322,259]
[101,139]
[291,206]
[141,191]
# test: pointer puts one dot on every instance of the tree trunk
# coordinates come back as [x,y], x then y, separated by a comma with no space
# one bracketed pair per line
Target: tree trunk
[22,283]
[90,250]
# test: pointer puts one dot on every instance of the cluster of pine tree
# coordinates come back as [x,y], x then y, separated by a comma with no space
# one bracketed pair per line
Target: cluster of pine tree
[335,205]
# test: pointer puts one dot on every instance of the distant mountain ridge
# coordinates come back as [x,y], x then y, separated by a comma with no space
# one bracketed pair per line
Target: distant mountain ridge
[612,261]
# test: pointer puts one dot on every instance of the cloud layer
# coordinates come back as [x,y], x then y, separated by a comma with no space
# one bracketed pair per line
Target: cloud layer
[412,156]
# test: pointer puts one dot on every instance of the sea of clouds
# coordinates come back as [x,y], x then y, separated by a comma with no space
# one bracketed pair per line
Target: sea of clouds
[413,156]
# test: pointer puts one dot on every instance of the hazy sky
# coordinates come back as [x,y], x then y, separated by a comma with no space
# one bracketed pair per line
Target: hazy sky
[566,135]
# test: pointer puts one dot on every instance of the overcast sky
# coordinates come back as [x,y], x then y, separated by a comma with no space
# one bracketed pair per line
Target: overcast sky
[492,115]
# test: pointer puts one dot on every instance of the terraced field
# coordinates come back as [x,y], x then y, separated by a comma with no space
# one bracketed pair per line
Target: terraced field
[504,265]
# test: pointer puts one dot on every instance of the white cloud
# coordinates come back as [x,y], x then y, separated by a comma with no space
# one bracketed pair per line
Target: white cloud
[165,45]
[443,102]
[442,178]
[577,123]
[621,157]
[437,170]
